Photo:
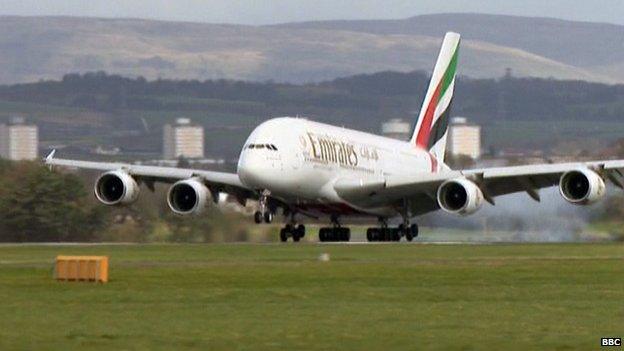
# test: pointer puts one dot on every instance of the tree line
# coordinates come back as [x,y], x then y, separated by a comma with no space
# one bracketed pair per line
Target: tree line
[388,92]
[40,205]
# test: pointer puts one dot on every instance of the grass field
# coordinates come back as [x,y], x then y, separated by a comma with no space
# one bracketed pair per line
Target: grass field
[281,297]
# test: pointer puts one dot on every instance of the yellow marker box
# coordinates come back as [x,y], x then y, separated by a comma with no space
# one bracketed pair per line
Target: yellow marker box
[82,268]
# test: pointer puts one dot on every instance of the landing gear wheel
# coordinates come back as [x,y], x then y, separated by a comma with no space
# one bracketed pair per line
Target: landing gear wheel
[323,234]
[283,235]
[373,234]
[268,217]
[301,230]
[298,232]
[385,234]
[395,234]
[412,232]
[344,234]
[258,217]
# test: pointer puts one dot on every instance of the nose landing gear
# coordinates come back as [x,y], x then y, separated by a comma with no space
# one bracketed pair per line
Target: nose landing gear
[266,217]
[264,214]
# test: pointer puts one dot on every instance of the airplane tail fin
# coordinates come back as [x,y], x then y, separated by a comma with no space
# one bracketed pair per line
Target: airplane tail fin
[431,129]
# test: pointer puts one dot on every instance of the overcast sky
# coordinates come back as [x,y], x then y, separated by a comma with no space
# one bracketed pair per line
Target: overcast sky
[277,11]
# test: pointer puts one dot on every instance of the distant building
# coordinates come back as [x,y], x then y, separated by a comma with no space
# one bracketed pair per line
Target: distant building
[19,141]
[464,138]
[183,139]
[396,128]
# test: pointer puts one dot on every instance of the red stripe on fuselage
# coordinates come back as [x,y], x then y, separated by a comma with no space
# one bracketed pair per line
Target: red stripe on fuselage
[434,163]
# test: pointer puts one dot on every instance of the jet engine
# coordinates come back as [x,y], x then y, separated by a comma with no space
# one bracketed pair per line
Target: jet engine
[460,196]
[582,186]
[188,196]
[116,188]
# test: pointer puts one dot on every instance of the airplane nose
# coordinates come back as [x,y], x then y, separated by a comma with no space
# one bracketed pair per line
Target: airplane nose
[253,172]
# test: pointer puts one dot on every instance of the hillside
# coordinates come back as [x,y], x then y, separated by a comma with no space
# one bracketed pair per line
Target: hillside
[581,44]
[34,48]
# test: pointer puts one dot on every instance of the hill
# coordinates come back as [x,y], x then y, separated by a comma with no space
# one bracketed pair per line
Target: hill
[34,48]
[581,44]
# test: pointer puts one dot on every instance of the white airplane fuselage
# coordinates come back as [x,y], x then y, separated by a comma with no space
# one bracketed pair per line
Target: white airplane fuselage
[298,161]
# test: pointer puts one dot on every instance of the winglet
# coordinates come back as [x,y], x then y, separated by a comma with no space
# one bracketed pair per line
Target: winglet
[50,156]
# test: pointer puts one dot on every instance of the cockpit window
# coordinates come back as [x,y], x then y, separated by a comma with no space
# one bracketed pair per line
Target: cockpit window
[271,147]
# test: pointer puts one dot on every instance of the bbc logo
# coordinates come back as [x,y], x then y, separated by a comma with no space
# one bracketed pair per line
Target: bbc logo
[610,341]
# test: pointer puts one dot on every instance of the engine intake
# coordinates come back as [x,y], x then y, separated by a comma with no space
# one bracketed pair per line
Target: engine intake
[116,187]
[460,196]
[582,186]
[188,196]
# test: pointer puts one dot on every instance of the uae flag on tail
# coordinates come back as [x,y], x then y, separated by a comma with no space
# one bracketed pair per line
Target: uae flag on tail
[432,124]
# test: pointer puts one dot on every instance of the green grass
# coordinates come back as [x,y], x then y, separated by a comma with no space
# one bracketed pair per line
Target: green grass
[280,297]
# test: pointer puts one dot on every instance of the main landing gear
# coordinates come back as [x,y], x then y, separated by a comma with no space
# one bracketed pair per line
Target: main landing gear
[335,232]
[385,233]
[292,231]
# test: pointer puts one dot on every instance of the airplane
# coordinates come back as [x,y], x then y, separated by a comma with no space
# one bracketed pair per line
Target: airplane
[311,171]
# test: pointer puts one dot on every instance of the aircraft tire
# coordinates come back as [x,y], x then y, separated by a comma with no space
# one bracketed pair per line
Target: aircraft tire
[258,217]
[322,234]
[268,217]
[374,234]
[284,235]
[301,230]
[414,230]
[344,234]
[395,234]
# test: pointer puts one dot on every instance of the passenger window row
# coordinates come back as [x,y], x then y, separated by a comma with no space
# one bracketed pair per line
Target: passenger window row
[261,146]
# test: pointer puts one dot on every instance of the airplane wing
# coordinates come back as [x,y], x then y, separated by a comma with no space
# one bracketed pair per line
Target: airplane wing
[216,181]
[497,181]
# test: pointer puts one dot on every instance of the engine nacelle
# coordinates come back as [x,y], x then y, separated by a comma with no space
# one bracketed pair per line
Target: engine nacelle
[582,186]
[460,196]
[188,196]
[116,188]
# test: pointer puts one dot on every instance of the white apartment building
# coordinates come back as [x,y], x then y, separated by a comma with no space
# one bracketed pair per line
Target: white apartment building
[19,141]
[464,138]
[183,139]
